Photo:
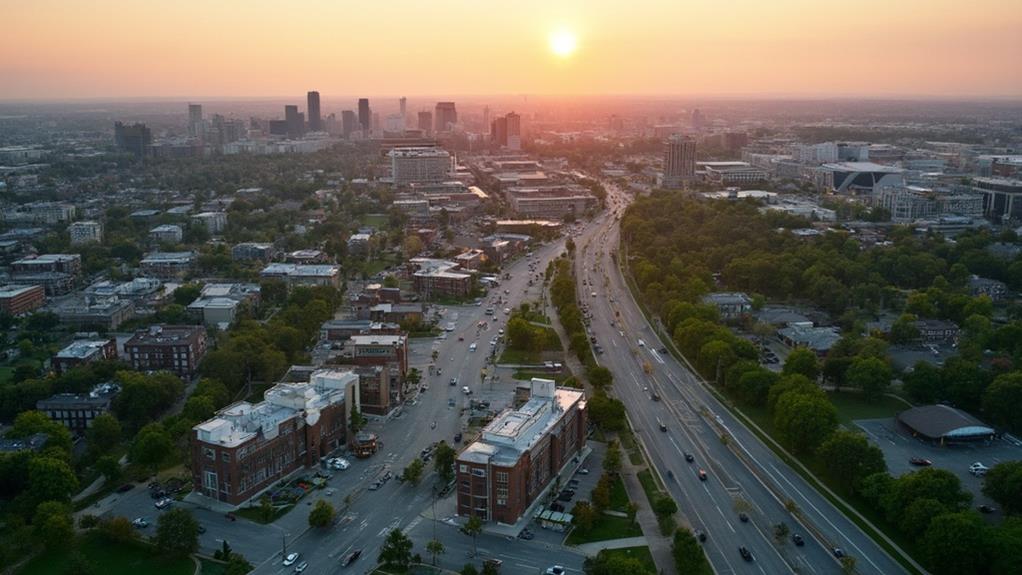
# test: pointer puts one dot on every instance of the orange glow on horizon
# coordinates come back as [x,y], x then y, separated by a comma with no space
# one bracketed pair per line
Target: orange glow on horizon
[57,49]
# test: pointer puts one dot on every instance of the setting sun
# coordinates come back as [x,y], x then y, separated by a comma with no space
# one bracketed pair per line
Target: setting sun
[563,43]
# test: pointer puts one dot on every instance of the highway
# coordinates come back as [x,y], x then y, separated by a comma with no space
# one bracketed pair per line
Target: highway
[695,421]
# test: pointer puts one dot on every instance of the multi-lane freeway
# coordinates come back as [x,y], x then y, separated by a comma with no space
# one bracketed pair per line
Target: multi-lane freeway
[657,389]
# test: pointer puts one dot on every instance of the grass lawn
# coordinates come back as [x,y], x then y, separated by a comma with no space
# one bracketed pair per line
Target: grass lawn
[110,558]
[255,514]
[520,357]
[649,485]
[850,406]
[375,220]
[618,495]
[607,527]
[640,553]
[631,447]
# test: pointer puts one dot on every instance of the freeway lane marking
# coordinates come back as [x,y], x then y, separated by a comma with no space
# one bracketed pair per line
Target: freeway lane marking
[526,565]
[825,518]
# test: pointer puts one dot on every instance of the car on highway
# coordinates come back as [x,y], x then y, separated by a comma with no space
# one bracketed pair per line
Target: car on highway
[351,557]
[702,475]
[291,559]
[797,540]
[163,503]
[139,523]
[919,461]
[454,381]
[583,471]
[700,535]
[743,517]
[838,552]
[450,402]
[642,343]
[301,566]
[689,458]
[555,570]
[661,425]
[745,553]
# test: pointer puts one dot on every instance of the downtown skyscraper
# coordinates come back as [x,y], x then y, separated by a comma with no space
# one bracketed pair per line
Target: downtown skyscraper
[364,116]
[315,120]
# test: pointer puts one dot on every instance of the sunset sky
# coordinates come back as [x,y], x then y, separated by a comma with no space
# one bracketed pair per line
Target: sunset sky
[56,49]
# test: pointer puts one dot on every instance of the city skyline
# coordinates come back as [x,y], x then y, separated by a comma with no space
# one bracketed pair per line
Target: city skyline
[791,48]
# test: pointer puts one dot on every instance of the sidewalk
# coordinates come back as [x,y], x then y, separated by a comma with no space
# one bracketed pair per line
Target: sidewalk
[597,546]
[659,545]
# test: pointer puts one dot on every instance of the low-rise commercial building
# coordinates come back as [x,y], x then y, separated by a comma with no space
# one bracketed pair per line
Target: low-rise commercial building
[805,334]
[214,222]
[96,313]
[378,349]
[434,278]
[730,305]
[21,299]
[166,234]
[731,173]
[174,348]
[306,275]
[253,251]
[520,452]
[248,447]
[85,232]
[57,273]
[167,265]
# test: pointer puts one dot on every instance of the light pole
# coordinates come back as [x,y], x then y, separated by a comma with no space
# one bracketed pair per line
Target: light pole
[283,545]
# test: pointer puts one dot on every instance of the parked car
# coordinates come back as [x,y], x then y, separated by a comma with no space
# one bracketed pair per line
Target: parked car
[583,471]
[125,488]
[986,509]
[290,559]
[163,503]
[139,523]
[230,516]
[201,529]
[457,437]
[301,566]
[920,462]
[978,469]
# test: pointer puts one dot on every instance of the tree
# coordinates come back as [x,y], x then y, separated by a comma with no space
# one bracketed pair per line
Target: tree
[665,506]
[871,375]
[80,564]
[413,472]
[473,527]
[435,548]
[802,361]
[51,479]
[600,495]
[237,565]
[104,433]
[53,525]
[753,386]
[396,552]
[804,421]
[607,564]
[583,516]
[356,421]
[955,543]
[689,557]
[443,461]
[151,447]
[109,467]
[469,569]
[612,459]
[177,532]
[266,509]
[1003,484]
[600,377]
[792,383]
[848,457]
[412,246]
[199,408]
[606,412]
[322,514]
[904,329]
[1002,399]
[118,529]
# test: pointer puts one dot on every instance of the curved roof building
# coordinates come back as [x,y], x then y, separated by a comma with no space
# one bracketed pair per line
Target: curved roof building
[942,423]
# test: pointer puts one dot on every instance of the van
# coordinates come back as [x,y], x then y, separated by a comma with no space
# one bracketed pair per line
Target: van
[466,390]
[472,347]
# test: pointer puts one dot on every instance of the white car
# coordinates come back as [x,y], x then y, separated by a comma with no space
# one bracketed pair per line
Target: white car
[555,570]
[301,566]
[472,347]
[139,523]
[338,463]
[978,469]
[163,503]
[290,559]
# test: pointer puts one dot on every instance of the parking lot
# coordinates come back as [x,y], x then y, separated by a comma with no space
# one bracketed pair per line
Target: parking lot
[899,447]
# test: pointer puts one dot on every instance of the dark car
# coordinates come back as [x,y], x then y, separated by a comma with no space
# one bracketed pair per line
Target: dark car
[743,517]
[230,516]
[919,461]
[662,350]
[457,437]
[656,397]
[700,535]
[838,552]
[986,509]
[201,528]
[689,458]
[125,488]
[797,540]
[745,553]
[556,507]
[702,475]
[351,557]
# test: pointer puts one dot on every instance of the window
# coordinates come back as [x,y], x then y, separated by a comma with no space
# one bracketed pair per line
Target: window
[502,477]
[210,453]
[463,468]
[225,456]
[479,472]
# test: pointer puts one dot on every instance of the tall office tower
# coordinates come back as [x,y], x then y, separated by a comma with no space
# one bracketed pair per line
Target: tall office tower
[363,116]
[679,161]
[195,120]
[376,123]
[135,138]
[446,116]
[403,102]
[347,123]
[498,131]
[426,122]
[315,120]
[295,121]
[514,131]
[486,117]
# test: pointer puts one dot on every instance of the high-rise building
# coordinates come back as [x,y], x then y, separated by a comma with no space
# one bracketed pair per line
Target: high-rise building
[295,121]
[498,131]
[363,116]
[403,103]
[426,122]
[315,120]
[486,116]
[445,117]
[679,161]
[195,120]
[347,123]
[514,131]
[134,138]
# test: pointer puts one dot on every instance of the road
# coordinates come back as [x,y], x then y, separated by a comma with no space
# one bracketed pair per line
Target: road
[373,513]
[695,420]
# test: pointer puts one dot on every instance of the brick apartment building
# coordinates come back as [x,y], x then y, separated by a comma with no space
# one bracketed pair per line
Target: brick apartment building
[248,447]
[58,274]
[520,452]
[174,348]
[83,351]
[75,412]
[378,350]
[434,278]
[17,300]
[377,387]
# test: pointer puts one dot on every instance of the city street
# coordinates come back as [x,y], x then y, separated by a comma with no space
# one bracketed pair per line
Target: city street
[695,421]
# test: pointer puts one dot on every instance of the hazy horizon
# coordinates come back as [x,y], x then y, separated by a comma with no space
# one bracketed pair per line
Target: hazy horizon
[114,50]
